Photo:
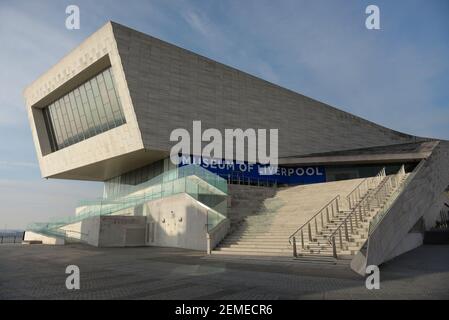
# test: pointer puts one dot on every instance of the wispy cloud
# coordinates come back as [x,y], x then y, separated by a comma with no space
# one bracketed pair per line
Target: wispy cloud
[17,164]
[197,23]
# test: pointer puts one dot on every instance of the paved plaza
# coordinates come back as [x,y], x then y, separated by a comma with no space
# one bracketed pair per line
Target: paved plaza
[38,272]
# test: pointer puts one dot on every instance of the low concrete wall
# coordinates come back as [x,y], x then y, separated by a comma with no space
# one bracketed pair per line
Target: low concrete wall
[33,236]
[122,231]
[109,231]
[86,231]
[217,234]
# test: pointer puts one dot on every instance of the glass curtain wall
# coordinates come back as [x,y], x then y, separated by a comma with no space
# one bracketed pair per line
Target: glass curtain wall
[92,108]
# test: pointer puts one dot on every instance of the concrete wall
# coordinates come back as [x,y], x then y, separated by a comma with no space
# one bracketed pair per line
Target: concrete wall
[170,87]
[414,203]
[217,234]
[179,221]
[86,231]
[33,236]
[120,231]
[109,231]
[433,214]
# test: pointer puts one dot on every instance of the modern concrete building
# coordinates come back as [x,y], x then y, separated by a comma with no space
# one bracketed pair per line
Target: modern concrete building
[346,188]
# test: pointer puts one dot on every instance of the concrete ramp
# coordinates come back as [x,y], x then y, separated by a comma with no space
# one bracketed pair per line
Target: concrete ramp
[410,214]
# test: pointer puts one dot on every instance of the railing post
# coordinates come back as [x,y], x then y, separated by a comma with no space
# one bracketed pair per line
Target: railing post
[316,226]
[341,239]
[327,214]
[346,231]
[302,239]
[310,232]
[338,205]
[322,220]
[334,248]
[295,254]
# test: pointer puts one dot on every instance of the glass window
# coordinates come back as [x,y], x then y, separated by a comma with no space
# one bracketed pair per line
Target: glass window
[92,108]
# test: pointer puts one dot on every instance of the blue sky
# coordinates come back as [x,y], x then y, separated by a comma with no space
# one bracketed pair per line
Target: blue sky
[397,76]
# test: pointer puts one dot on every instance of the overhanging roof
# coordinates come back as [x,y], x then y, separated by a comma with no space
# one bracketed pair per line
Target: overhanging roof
[407,152]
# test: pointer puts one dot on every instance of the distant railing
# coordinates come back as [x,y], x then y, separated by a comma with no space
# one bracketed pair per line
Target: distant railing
[315,224]
[11,238]
[443,223]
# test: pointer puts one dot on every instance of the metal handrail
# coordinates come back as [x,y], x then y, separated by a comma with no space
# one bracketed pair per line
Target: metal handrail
[329,208]
[314,216]
[359,211]
[357,194]
[330,205]
[400,188]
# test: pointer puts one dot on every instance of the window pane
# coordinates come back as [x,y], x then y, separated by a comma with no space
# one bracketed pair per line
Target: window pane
[90,109]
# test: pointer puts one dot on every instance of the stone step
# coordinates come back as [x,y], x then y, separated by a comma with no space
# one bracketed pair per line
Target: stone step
[265,246]
[262,232]
[253,241]
[271,250]
[250,253]
[264,239]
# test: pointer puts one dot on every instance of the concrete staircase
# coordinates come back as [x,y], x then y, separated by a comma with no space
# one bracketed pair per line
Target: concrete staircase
[267,234]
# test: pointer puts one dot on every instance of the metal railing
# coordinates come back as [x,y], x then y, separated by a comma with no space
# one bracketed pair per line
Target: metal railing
[316,224]
[11,238]
[356,195]
[323,216]
[393,196]
[359,213]
[443,223]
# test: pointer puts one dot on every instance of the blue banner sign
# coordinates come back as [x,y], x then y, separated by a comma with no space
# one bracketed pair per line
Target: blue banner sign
[255,172]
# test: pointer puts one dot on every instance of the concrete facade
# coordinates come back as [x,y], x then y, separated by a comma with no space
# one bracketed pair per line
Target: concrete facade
[169,83]
[163,87]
